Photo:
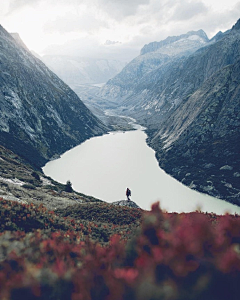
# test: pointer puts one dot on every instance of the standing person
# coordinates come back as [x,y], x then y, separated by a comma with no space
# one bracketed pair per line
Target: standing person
[128,194]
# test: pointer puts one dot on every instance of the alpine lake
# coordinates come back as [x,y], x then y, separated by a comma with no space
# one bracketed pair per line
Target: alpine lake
[105,166]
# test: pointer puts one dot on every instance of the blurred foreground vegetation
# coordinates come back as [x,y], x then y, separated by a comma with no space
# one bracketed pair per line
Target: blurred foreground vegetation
[100,251]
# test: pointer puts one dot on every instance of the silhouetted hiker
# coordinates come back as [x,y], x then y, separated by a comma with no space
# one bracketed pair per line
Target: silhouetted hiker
[128,194]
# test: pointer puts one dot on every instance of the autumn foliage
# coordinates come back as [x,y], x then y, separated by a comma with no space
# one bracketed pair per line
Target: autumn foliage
[192,256]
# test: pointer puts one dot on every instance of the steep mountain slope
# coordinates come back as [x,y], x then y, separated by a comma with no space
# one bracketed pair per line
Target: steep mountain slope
[199,143]
[40,115]
[78,70]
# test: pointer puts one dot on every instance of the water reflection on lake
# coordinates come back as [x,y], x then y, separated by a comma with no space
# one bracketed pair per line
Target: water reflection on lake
[105,166]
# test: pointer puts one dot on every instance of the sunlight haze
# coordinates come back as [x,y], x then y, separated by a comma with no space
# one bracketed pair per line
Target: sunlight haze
[113,29]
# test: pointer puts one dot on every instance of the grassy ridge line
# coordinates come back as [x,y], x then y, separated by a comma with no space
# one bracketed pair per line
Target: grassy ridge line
[95,220]
[103,212]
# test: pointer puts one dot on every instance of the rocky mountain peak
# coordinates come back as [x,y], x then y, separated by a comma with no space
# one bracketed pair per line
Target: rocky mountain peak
[190,37]
[4,34]
[237,25]
[199,33]
[2,30]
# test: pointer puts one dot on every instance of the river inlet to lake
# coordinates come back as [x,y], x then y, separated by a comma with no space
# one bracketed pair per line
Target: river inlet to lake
[105,166]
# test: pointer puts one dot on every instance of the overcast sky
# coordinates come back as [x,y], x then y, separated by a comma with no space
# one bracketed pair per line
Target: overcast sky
[111,28]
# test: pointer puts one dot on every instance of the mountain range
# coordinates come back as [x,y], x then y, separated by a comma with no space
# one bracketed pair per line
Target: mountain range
[75,70]
[40,115]
[134,80]
[185,90]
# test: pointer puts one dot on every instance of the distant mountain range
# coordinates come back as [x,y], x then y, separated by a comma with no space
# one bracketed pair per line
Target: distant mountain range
[40,115]
[186,91]
[138,77]
[78,70]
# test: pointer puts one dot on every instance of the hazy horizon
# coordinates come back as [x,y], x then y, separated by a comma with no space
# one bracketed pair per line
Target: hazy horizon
[110,29]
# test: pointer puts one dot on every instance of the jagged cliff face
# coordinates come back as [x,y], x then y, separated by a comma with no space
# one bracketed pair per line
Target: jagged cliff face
[191,105]
[40,115]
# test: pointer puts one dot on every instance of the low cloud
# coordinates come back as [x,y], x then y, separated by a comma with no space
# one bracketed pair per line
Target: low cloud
[109,43]
[115,8]
[187,10]
[74,23]
[119,9]
[18,4]
[90,48]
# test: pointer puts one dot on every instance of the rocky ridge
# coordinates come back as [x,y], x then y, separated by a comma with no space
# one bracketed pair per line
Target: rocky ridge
[191,40]
[126,203]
